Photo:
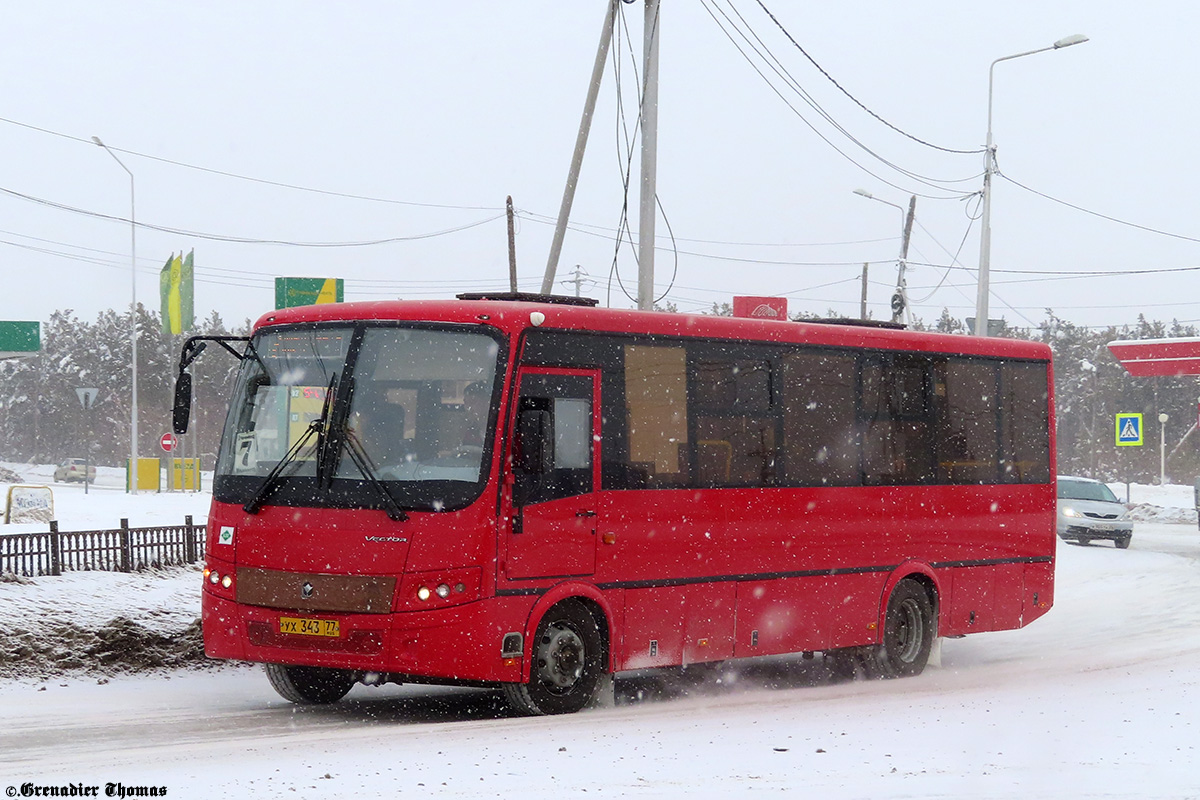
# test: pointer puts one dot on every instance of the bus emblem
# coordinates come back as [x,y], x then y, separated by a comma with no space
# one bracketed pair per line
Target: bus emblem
[306,591]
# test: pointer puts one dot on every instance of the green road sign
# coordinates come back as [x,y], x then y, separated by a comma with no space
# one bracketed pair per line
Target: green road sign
[19,339]
[292,292]
[1129,430]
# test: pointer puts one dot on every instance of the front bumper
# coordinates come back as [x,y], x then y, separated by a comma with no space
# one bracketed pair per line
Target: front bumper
[459,643]
[1110,531]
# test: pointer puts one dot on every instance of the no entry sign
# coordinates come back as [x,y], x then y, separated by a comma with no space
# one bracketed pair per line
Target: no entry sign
[168,442]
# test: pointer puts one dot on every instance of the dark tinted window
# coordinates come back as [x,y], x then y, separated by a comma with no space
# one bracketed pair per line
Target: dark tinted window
[820,442]
[735,432]
[895,420]
[679,413]
[1024,423]
[967,402]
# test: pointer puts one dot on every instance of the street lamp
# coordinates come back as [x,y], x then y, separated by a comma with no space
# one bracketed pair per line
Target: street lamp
[133,412]
[1162,449]
[989,167]
[900,298]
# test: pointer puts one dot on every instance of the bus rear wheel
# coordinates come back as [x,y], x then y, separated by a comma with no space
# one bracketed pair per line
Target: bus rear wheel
[908,632]
[309,685]
[568,664]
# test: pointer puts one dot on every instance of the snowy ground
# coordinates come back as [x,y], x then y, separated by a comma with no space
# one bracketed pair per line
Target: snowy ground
[1099,699]
[105,503]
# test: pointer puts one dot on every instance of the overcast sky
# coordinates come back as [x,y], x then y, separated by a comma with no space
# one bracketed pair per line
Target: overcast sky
[402,120]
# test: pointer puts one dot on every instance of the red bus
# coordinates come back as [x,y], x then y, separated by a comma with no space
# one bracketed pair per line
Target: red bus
[532,493]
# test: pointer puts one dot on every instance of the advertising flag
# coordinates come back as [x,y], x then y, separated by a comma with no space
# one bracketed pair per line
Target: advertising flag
[175,287]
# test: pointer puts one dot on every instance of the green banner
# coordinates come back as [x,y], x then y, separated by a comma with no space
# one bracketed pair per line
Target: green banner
[292,292]
[20,339]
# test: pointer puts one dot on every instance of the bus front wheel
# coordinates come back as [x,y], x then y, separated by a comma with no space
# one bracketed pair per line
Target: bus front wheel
[908,632]
[568,664]
[309,685]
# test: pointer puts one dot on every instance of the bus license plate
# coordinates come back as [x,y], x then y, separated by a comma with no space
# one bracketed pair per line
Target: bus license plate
[309,627]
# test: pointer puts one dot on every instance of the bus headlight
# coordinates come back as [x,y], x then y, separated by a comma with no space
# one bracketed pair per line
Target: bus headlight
[440,588]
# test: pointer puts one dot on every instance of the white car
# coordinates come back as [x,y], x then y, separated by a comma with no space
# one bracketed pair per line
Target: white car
[73,469]
[1088,510]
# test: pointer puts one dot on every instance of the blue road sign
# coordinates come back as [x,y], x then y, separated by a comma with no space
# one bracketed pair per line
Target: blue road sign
[1129,430]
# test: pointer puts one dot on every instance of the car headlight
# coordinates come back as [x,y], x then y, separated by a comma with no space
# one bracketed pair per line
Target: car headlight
[1070,512]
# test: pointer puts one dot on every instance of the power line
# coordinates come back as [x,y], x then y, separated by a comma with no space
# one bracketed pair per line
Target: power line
[246,240]
[856,101]
[223,173]
[779,69]
[1146,228]
[545,219]
[822,136]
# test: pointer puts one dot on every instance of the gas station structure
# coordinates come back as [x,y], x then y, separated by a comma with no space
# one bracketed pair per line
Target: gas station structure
[1148,358]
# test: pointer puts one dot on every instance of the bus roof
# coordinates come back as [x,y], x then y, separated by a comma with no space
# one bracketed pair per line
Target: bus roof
[516,316]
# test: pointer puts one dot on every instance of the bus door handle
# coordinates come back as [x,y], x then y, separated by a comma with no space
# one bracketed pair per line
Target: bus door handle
[583,512]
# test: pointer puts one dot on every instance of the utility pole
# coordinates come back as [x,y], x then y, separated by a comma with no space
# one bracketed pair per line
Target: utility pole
[862,305]
[900,300]
[578,280]
[585,126]
[649,115]
[512,247]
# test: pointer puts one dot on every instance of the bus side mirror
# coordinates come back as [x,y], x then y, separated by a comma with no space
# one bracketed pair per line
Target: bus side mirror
[182,410]
[535,439]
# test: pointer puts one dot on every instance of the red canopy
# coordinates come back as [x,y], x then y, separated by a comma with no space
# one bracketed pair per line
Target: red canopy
[1146,358]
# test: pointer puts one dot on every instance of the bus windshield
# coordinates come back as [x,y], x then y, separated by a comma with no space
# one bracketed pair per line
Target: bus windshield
[412,405]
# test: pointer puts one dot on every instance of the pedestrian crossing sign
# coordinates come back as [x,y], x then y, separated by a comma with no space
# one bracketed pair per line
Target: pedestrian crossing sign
[1129,430]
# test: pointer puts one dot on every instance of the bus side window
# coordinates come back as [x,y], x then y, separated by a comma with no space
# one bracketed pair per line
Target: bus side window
[655,419]
[820,443]
[966,400]
[1024,423]
[734,420]
[895,418]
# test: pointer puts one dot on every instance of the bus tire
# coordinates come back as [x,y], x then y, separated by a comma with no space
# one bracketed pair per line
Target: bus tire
[908,632]
[849,664]
[568,668]
[308,686]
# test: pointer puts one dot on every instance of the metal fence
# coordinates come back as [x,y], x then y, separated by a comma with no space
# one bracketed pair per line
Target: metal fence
[122,549]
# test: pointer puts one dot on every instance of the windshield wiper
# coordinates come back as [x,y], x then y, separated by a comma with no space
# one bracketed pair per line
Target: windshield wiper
[275,476]
[361,460]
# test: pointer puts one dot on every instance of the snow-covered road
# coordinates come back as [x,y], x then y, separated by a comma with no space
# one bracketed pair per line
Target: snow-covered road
[1101,698]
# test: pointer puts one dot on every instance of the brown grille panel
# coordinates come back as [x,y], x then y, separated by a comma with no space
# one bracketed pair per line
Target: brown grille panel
[364,594]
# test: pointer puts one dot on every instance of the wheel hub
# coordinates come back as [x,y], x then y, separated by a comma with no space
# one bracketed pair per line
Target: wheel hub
[561,657]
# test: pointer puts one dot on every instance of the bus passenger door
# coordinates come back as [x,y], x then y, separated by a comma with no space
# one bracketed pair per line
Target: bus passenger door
[556,471]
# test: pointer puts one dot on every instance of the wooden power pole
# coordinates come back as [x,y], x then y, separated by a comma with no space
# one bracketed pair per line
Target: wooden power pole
[512,247]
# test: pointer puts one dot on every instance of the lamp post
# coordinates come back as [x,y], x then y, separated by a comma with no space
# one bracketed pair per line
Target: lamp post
[133,407]
[900,298]
[1162,449]
[989,167]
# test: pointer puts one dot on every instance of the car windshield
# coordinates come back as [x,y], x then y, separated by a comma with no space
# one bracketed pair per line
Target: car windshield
[1085,490]
[412,402]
